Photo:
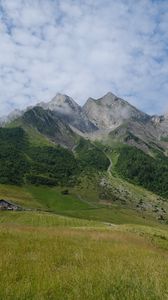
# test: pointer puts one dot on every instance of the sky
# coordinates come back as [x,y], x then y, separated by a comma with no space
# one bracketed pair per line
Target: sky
[84,48]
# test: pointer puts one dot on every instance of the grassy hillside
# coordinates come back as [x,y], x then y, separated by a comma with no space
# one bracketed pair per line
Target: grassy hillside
[86,184]
[79,203]
[24,161]
[35,137]
[44,256]
[140,168]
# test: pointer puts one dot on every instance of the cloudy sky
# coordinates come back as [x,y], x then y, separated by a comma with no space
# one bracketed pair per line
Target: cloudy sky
[84,48]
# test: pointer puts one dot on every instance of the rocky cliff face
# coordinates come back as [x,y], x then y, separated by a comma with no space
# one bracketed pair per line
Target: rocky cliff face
[110,112]
[118,120]
[50,125]
[62,104]
[161,125]
[70,112]
[106,118]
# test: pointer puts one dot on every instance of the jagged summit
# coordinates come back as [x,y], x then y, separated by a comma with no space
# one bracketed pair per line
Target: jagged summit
[61,103]
[97,119]
[110,111]
[107,97]
[110,94]
[70,112]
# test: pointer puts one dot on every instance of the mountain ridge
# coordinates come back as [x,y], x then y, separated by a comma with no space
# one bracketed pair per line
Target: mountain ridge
[47,105]
[106,119]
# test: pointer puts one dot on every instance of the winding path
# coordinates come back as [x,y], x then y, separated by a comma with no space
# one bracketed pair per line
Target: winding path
[110,166]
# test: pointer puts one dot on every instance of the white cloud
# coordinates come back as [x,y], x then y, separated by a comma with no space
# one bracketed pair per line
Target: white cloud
[83,48]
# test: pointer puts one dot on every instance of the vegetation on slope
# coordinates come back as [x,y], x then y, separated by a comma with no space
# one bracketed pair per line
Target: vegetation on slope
[140,168]
[13,161]
[81,202]
[50,126]
[21,161]
[91,156]
[52,166]
[84,174]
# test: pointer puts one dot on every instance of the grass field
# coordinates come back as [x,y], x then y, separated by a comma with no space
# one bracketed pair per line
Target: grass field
[46,256]
[52,199]
[68,247]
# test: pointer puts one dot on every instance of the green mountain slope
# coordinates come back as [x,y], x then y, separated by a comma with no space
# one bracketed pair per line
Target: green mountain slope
[40,149]
[23,162]
[86,171]
[46,126]
[151,173]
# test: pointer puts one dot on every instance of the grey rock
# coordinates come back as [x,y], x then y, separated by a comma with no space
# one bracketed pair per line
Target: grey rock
[68,110]
[110,111]
[106,118]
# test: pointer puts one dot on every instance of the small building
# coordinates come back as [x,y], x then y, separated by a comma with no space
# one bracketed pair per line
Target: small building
[6,205]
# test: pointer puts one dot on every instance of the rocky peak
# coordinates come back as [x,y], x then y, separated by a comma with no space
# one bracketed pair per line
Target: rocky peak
[111,111]
[110,98]
[106,99]
[62,104]
[70,112]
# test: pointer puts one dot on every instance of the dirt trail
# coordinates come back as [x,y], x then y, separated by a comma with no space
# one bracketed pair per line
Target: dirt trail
[110,166]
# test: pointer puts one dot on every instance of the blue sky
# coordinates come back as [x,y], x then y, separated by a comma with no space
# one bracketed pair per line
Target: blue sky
[84,48]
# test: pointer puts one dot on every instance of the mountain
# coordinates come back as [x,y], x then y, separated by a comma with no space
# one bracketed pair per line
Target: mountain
[70,112]
[110,112]
[105,146]
[91,189]
[121,122]
[108,119]
[50,125]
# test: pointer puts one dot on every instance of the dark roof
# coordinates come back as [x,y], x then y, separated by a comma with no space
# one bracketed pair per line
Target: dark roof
[2,201]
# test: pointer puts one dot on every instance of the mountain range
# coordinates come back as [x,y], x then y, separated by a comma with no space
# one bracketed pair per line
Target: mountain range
[107,119]
[108,147]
